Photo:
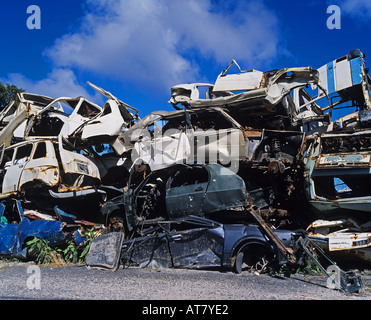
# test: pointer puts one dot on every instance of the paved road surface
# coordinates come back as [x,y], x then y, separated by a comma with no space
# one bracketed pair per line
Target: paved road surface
[24,281]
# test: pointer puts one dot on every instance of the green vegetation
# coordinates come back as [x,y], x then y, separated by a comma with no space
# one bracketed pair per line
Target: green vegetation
[7,93]
[40,250]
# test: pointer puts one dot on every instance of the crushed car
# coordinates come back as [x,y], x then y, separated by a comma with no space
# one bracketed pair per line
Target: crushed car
[40,116]
[208,135]
[337,162]
[196,242]
[346,239]
[44,166]
[201,190]
[50,172]
[18,225]
[269,100]
[191,242]
[104,127]
[22,102]
[337,174]
[77,119]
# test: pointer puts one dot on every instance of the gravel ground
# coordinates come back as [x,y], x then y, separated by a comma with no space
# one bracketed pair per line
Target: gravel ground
[20,281]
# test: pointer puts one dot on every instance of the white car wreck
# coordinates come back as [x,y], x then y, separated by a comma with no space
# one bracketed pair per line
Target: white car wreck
[30,116]
[106,125]
[79,120]
[43,167]
[346,239]
[208,135]
[273,100]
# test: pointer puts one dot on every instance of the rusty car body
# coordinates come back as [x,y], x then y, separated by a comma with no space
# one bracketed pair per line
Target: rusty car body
[346,239]
[337,174]
[337,162]
[40,166]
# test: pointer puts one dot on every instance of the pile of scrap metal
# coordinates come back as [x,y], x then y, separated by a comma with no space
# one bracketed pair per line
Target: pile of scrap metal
[49,158]
[174,219]
[337,163]
[258,148]
[50,149]
[309,157]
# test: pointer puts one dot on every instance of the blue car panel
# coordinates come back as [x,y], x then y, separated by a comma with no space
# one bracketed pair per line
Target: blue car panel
[16,229]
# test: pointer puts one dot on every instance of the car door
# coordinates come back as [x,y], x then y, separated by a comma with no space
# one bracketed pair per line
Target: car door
[42,166]
[107,124]
[164,143]
[83,111]
[216,137]
[15,168]
[114,117]
[187,192]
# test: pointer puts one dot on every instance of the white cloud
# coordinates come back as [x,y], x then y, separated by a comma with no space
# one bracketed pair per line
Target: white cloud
[155,42]
[60,82]
[358,9]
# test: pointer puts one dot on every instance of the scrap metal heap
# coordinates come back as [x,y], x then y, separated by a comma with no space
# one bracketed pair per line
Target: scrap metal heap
[254,148]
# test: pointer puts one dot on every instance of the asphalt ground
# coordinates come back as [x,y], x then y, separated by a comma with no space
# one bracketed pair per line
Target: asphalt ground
[27,281]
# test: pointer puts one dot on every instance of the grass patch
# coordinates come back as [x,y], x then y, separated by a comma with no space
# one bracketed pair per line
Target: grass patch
[41,252]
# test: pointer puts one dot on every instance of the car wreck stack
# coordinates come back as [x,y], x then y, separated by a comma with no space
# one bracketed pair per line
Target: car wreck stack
[262,142]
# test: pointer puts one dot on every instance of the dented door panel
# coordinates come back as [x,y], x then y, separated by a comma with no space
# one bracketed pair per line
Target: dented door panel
[76,163]
[43,165]
[186,200]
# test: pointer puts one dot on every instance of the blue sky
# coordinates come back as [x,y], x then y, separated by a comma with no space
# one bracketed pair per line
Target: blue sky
[138,49]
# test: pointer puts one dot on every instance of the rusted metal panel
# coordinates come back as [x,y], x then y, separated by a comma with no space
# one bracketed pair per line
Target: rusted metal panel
[345,237]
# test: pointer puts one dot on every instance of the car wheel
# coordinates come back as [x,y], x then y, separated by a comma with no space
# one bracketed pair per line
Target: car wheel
[255,256]
[239,262]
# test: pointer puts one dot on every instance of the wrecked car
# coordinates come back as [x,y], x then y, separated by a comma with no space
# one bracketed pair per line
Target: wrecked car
[14,115]
[269,100]
[39,116]
[165,138]
[346,239]
[346,82]
[337,174]
[46,167]
[195,242]
[104,127]
[19,104]
[18,226]
[337,162]
[208,135]
[201,190]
